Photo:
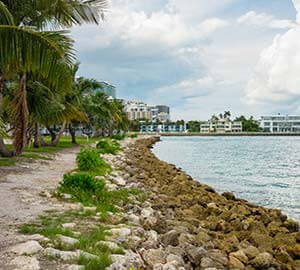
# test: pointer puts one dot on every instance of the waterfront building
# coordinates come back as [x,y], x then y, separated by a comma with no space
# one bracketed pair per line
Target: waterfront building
[108,89]
[163,128]
[221,125]
[280,123]
[137,110]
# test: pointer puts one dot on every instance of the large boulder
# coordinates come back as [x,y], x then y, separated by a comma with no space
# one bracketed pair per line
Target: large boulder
[28,248]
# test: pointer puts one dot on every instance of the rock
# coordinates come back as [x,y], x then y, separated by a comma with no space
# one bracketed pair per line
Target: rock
[66,196]
[175,258]
[89,209]
[46,193]
[119,181]
[240,255]
[128,261]
[110,245]
[133,219]
[119,234]
[202,237]
[170,238]
[218,256]
[28,248]
[208,263]
[87,255]
[186,239]
[68,241]
[26,263]
[148,219]
[74,267]
[152,240]
[154,256]
[234,263]
[63,255]
[195,254]
[39,238]
[251,252]
[262,260]
[68,225]
[229,196]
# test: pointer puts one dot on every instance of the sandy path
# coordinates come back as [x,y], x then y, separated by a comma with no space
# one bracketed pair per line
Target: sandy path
[20,199]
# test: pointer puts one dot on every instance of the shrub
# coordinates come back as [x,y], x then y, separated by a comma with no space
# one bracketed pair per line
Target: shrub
[108,146]
[84,188]
[118,137]
[89,160]
[133,135]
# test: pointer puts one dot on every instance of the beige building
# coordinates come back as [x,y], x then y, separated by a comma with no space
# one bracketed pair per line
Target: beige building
[221,125]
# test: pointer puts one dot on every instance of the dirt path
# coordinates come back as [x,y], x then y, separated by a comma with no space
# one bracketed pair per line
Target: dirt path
[20,194]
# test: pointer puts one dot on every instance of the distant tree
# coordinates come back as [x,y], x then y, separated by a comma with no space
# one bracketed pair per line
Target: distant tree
[227,114]
[249,125]
[194,126]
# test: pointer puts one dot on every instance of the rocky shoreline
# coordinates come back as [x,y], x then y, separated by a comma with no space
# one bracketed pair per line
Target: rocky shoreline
[187,225]
[178,224]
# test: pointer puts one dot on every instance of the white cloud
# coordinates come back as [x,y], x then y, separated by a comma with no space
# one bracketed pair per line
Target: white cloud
[297,7]
[276,78]
[264,20]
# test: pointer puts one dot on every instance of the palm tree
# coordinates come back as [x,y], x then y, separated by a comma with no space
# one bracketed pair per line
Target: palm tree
[48,54]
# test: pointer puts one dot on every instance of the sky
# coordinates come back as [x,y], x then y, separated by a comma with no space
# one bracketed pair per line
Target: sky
[199,57]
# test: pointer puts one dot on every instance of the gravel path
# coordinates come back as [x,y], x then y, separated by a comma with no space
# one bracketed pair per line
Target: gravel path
[22,198]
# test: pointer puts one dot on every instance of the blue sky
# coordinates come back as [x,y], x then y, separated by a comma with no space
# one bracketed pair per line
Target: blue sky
[199,58]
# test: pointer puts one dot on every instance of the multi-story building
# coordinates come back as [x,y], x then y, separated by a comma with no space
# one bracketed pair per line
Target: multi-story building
[280,123]
[108,89]
[137,110]
[221,125]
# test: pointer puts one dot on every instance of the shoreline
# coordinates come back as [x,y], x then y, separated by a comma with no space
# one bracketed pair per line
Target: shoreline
[224,224]
[243,134]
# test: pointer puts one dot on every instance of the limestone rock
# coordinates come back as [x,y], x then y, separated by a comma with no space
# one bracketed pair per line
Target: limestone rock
[110,245]
[240,255]
[262,260]
[28,248]
[63,255]
[119,234]
[154,256]
[234,263]
[68,225]
[170,238]
[195,254]
[68,241]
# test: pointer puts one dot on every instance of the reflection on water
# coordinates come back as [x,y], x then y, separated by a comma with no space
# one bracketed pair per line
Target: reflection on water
[263,170]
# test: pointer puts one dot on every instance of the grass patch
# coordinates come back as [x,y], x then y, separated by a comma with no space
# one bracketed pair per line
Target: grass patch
[108,146]
[118,137]
[6,162]
[95,264]
[89,160]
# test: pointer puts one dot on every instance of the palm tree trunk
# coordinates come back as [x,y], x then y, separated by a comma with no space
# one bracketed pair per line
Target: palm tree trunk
[59,134]
[52,133]
[20,117]
[37,136]
[73,133]
[4,152]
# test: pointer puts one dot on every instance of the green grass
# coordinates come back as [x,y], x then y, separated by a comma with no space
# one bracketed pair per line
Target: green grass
[31,153]
[95,264]
[108,146]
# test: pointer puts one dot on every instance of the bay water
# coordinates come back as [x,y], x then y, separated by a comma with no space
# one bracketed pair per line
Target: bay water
[262,170]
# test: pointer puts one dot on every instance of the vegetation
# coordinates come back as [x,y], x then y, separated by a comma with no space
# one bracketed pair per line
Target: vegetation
[108,146]
[38,83]
[89,159]
[249,125]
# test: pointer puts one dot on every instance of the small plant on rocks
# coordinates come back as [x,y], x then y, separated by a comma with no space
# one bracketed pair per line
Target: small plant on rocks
[108,146]
[88,160]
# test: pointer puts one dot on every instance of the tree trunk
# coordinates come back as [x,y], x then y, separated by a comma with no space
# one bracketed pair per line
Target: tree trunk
[52,133]
[4,152]
[37,136]
[73,134]
[59,134]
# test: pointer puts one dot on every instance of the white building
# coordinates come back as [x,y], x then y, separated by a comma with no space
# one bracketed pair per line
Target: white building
[221,125]
[280,123]
[137,110]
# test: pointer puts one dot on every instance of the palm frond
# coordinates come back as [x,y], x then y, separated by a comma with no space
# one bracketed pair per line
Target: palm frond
[3,133]
[5,16]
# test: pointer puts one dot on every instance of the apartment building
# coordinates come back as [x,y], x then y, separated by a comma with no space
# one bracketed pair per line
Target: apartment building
[280,123]
[221,125]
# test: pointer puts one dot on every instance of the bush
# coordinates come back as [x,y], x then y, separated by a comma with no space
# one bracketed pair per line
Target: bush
[89,160]
[118,137]
[133,135]
[108,146]
[84,188]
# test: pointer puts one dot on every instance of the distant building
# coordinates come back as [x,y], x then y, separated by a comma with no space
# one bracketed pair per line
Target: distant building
[137,110]
[280,123]
[163,128]
[221,125]
[108,89]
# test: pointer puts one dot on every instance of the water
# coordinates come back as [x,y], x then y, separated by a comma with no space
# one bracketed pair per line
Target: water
[262,170]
